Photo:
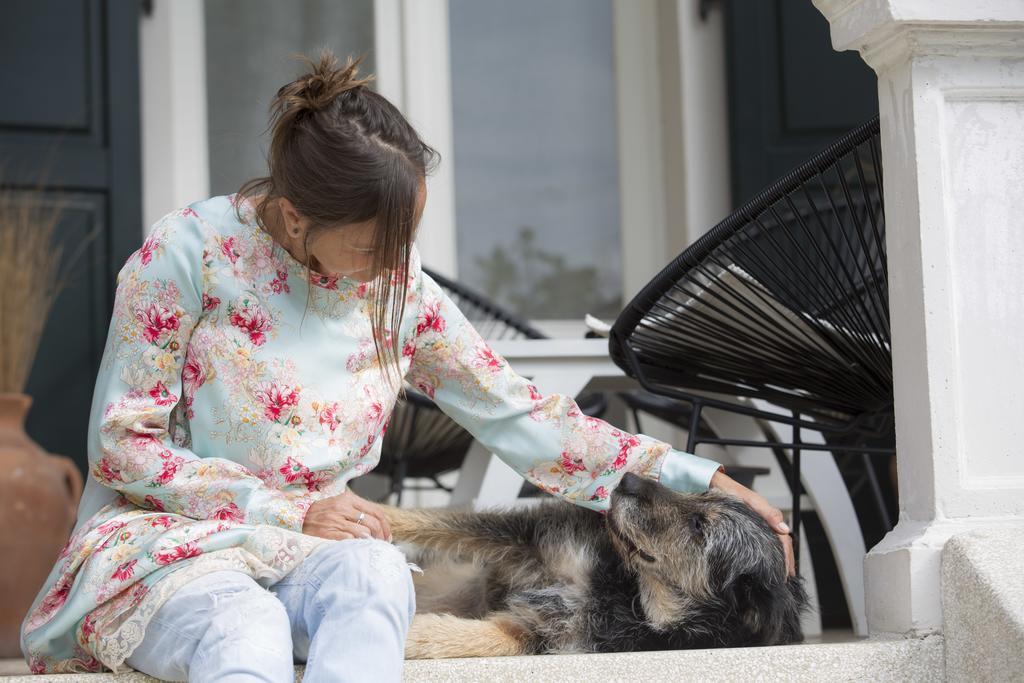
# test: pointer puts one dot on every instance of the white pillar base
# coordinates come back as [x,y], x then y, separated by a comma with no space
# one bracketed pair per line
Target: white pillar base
[903,574]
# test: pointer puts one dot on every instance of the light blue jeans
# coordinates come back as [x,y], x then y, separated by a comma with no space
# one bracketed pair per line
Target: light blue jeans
[344,612]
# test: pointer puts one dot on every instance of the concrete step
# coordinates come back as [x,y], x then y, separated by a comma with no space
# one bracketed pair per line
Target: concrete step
[877,660]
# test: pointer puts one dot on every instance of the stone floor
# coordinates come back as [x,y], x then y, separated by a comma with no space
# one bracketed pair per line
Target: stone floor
[836,657]
[17,667]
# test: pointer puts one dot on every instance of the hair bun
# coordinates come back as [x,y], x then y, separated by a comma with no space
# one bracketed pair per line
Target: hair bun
[317,88]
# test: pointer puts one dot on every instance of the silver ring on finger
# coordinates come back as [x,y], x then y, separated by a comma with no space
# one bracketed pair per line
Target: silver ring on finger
[360,517]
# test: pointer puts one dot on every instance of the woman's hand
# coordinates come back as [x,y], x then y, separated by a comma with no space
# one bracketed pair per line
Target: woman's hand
[720,480]
[338,518]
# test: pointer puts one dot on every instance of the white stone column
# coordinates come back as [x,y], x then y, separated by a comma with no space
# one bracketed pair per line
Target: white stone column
[951,101]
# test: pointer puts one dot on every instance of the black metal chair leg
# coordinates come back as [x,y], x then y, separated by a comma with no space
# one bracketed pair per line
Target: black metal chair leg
[876,491]
[691,438]
[636,421]
[796,488]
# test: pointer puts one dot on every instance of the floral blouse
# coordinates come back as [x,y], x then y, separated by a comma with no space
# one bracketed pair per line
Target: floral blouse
[221,413]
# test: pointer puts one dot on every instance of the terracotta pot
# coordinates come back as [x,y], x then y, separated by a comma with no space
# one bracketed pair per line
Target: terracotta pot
[39,495]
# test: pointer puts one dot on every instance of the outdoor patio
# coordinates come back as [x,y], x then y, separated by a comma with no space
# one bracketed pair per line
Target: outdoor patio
[941,596]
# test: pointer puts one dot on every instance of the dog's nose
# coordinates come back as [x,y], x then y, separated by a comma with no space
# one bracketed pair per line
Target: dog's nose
[631,484]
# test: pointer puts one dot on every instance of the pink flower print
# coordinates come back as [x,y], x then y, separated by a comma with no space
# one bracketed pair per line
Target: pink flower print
[279,284]
[370,440]
[154,503]
[362,290]
[375,412]
[323,281]
[293,469]
[144,441]
[329,416]
[625,445]
[487,359]
[170,468]
[57,596]
[165,521]
[180,552]
[360,357]
[124,571]
[107,472]
[138,592]
[409,350]
[88,626]
[276,400]
[571,465]
[90,664]
[155,320]
[162,395]
[425,387]
[147,249]
[254,321]
[229,512]
[316,480]
[227,247]
[193,375]
[36,665]
[535,395]
[210,302]
[189,211]
[109,527]
[430,318]
[600,493]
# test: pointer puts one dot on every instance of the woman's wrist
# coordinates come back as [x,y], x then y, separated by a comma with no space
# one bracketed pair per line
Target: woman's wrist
[720,480]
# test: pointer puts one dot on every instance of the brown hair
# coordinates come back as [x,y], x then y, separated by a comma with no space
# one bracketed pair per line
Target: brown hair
[342,153]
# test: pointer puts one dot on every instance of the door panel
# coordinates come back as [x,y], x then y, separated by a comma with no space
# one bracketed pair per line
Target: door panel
[790,93]
[71,126]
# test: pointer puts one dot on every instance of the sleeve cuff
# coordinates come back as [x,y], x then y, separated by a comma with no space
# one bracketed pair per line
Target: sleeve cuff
[686,472]
[277,509]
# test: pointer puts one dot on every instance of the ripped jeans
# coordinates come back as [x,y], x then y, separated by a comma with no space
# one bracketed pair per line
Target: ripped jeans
[344,612]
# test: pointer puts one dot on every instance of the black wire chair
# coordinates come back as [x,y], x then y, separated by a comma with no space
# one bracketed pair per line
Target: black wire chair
[421,441]
[785,300]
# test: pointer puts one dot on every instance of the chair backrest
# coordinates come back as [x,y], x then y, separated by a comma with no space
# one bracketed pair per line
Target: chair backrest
[786,299]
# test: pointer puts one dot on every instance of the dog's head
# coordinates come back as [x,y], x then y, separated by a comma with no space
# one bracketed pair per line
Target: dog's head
[705,558]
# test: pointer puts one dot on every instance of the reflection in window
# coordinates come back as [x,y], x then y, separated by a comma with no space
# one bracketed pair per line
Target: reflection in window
[248,48]
[536,162]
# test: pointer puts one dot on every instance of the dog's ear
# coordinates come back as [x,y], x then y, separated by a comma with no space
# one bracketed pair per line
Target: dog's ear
[769,611]
[798,603]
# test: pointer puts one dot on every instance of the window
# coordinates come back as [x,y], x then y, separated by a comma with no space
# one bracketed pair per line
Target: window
[535,155]
[248,43]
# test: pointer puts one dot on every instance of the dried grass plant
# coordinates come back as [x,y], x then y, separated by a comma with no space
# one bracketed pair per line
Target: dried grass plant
[31,275]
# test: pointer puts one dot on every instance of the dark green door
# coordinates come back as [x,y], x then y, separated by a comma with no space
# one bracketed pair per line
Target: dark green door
[71,109]
[790,93]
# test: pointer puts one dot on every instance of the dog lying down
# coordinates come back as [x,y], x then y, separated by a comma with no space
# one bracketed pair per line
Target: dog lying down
[662,570]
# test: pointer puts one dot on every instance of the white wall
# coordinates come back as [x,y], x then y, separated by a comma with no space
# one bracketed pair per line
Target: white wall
[172,55]
[673,131]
